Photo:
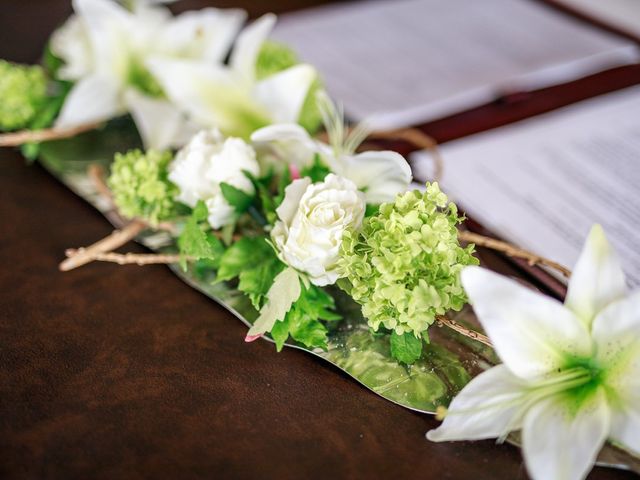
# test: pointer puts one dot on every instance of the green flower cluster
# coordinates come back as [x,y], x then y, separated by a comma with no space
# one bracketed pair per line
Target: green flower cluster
[140,185]
[275,57]
[404,266]
[23,90]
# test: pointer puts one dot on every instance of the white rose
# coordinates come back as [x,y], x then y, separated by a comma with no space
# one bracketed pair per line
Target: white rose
[312,221]
[204,163]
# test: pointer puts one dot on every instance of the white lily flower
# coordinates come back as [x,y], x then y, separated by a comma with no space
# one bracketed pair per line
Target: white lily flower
[380,174]
[230,97]
[105,46]
[571,373]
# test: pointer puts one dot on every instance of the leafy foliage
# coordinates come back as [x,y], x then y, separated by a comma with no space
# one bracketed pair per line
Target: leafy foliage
[404,266]
[253,261]
[197,244]
[405,348]
[141,187]
[267,199]
[237,198]
[281,296]
[317,171]
[303,321]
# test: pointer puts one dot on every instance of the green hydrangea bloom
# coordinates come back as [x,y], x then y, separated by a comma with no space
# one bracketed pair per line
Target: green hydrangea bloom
[140,185]
[275,57]
[404,265]
[23,90]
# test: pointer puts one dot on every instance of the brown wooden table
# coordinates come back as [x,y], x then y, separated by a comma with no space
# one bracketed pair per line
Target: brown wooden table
[126,372]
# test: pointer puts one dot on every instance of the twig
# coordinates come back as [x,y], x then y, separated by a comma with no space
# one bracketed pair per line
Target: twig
[116,239]
[420,140]
[14,139]
[132,258]
[447,322]
[512,251]
[96,174]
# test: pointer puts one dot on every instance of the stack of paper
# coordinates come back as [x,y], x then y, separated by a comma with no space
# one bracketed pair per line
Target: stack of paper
[542,183]
[621,14]
[409,61]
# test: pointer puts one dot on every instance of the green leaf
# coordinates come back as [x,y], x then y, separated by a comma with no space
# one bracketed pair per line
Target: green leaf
[245,254]
[46,114]
[280,333]
[267,202]
[283,183]
[281,296]
[50,61]
[194,242]
[317,171]
[307,331]
[237,198]
[200,212]
[371,210]
[303,320]
[318,304]
[406,348]
[256,282]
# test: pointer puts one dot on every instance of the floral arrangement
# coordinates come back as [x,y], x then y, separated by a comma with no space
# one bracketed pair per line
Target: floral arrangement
[308,228]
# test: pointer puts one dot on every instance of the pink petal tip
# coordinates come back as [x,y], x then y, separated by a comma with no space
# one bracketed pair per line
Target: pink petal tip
[252,338]
[295,171]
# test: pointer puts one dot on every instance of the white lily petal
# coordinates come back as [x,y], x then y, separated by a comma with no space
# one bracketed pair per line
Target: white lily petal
[205,34]
[486,408]
[625,424]
[71,43]
[153,7]
[597,278]
[384,174]
[92,99]
[617,327]
[617,334]
[112,30]
[95,13]
[532,334]
[292,195]
[283,132]
[283,94]
[561,436]
[192,86]
[160,124]
[210,94]
[245,52]
[288,141]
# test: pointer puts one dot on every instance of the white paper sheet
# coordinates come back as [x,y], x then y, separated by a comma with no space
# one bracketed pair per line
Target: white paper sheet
[542,183]
[621,14]
[403,62]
